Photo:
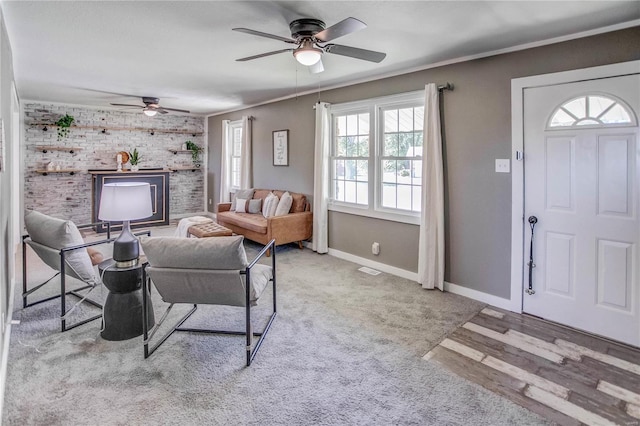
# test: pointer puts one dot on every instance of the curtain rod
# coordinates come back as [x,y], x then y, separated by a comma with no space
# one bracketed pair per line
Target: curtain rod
[447,86]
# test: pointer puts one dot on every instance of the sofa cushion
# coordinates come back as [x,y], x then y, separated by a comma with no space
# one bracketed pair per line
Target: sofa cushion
[195,253]
[245,194]
[254,222]
[255,206]
[241,205]
[284,205]
[270,205]
[261,193]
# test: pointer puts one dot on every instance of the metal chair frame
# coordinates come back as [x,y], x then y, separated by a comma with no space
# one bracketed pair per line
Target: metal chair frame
[250,348]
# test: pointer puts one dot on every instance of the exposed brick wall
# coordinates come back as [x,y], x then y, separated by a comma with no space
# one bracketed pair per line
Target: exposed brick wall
[65,196]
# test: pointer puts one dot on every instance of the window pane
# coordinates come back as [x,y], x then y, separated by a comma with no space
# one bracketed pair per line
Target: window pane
[350,169]
[363,146]
[363,193]
[561,119]
[416,172]
[405,144]
[417,138]
[352,146]
[616,115]
[404,197]
[235,164]
[389,195]
[339,190]
[363,124]
[391,121]
[405,119]
[352,125]
[363,170]
[416,200]
[341,126]
[577,107]
[389,171]
[391,145]
[339,171]
[587,122]
[341,148]
[350,191]
[404,171]
[597,104]
[418,118]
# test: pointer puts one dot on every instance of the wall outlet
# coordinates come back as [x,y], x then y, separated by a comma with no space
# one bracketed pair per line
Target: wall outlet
[375,248]
[503,165]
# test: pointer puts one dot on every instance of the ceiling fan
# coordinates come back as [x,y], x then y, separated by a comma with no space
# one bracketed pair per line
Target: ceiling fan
[152,107]
[308,34]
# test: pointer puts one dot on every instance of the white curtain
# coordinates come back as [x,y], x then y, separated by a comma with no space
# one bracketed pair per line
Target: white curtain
[225,179]
[431,243]
[321,178]
[246,169]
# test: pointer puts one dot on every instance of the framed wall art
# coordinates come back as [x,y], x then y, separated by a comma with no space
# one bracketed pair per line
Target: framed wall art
[281,147]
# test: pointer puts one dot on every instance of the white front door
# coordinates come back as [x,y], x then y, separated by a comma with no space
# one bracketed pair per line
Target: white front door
[582,178]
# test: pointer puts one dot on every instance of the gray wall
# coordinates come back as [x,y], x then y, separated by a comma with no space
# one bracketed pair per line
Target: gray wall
[8,188]
[477,127]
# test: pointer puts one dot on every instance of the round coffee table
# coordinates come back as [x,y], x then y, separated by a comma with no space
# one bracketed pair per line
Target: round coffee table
[122,314]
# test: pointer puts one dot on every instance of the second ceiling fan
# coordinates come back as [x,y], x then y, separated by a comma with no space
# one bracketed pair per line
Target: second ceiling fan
[310,35]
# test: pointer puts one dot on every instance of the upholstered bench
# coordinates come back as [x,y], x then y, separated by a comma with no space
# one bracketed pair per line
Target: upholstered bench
[210,229]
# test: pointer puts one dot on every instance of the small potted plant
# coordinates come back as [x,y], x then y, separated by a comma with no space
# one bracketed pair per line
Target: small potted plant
[134,159]
[63,126]
[195,152]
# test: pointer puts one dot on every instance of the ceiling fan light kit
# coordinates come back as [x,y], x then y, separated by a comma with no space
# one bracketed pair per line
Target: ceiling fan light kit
[149,112]
[152,106]
[308,33]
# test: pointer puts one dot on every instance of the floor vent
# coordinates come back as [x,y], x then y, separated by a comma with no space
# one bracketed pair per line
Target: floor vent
[369,271]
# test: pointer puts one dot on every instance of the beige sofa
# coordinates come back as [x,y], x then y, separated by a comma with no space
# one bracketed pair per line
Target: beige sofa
[296,226]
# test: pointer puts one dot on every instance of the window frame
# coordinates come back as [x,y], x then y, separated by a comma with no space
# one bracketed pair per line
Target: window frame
[233,126]
[375,107]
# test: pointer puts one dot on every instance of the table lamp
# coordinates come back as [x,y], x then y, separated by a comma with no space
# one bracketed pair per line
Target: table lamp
[125,201]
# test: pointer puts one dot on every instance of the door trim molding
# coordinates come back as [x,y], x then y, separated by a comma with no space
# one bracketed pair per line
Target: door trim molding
[518,85]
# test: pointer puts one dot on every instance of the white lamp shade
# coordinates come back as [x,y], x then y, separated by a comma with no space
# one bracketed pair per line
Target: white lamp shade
[125,201]
[308,57]
[149,112]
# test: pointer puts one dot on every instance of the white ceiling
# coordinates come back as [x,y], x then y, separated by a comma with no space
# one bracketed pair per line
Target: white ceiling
[94,53]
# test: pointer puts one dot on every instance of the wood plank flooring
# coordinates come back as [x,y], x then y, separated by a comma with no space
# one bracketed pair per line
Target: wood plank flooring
[568,377]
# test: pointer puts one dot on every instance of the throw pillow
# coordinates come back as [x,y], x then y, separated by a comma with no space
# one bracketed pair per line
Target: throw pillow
[245,194]
[241,205]
[270,205]
[255,206]
[284,205]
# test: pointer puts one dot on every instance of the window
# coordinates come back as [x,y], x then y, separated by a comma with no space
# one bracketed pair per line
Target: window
[235,152]
[595,110]
[376,157]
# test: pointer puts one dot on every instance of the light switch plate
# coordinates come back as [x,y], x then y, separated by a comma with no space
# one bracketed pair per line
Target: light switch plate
[503,165]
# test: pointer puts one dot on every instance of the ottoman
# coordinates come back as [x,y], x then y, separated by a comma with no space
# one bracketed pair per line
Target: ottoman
[210,229]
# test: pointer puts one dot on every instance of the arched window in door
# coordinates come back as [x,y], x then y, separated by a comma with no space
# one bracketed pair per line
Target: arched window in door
[592,110]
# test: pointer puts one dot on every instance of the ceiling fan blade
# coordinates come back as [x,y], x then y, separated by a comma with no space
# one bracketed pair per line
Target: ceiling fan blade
[267,35]
[355,52]
[262,55]
[129,105]
[316,68]
[162,110]
[176,110]
[344,27]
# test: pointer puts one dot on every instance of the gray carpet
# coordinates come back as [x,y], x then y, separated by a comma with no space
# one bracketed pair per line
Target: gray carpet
[345,348]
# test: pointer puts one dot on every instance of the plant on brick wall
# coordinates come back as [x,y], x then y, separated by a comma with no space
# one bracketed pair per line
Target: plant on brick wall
[195,151]
[134,157]
[64,123]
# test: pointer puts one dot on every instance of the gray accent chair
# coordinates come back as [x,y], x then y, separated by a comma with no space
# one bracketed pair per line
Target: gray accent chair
[212,271]
[60,246]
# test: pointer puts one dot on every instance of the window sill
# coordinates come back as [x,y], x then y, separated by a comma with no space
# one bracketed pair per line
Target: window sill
[363,211]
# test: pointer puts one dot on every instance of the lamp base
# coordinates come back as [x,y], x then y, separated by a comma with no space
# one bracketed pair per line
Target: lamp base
[125,248]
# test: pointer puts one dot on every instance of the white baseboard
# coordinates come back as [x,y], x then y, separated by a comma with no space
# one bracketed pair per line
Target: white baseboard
[5,346]
[403,273]
[498,302]
[490,299]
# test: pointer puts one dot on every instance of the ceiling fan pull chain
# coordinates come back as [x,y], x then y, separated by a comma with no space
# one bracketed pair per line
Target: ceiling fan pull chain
[532,223]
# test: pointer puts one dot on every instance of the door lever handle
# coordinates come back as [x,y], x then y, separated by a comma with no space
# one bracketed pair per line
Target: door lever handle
[532,223]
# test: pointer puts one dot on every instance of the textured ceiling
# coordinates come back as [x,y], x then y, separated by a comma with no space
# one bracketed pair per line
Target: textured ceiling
[97,52]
